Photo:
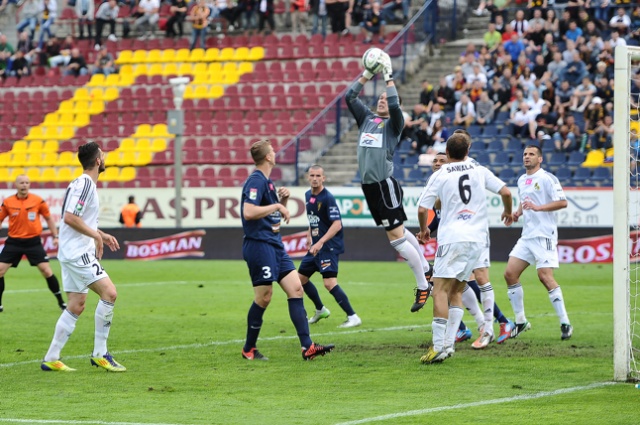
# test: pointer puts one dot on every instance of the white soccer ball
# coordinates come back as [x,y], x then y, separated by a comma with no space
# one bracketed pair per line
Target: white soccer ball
[371,60]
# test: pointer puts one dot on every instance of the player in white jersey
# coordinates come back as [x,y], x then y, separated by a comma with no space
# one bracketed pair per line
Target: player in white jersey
[464,236]
[540,194]
[79,251]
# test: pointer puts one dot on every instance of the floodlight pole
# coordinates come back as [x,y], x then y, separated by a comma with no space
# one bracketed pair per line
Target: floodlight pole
[175,119]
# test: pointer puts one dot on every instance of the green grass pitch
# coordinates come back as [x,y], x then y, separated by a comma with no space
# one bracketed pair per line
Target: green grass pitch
[179,327]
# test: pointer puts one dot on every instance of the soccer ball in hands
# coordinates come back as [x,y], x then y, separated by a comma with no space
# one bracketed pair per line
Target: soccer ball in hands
[371,60]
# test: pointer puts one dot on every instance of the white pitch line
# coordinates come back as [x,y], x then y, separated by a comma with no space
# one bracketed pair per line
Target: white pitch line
[73,422]
[476,403]
[228,342]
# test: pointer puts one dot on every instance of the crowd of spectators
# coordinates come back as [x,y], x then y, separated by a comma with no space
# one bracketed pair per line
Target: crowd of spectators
[537,77]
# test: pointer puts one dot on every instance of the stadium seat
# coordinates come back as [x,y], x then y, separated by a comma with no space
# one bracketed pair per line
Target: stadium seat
[582,175]
[601,174]
[575,159]
[557,159]
[595,158]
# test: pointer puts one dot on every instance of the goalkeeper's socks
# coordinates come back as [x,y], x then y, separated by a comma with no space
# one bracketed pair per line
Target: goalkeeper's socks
[412,256]
[516,296]
[416,245]
[557,301]
[342,300]
[312,292]
[254,323]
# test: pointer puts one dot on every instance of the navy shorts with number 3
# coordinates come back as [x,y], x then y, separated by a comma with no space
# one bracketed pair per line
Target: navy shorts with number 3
[267,263]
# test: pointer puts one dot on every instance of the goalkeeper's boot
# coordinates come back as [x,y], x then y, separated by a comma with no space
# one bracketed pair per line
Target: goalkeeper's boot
[463,335]
[433,356]
[320,314]
[316,350]
[253,354]
[422,295]
[482,342]
[107,362]
[55,366]
[567,331]
[519,328]
[505,331]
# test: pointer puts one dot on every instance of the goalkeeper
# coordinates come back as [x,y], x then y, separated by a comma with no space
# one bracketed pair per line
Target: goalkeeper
[379,135]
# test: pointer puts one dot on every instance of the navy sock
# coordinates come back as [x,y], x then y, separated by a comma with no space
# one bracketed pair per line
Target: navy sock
[299,318]
[342,300]
[496,311]
[312,292]
[254,323]
[1,288]
[54,287]
[462,326]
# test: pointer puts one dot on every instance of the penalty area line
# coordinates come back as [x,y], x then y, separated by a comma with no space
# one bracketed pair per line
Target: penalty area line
[524,397]
[73,422]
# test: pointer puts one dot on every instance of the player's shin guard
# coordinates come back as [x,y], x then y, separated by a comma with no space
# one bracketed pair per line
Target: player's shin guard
[557,301]
[254,323]
[471,304]
[455,317]
[488,299]
[64,328]
[412,256]
[516,297]
[103,317]
[299,318]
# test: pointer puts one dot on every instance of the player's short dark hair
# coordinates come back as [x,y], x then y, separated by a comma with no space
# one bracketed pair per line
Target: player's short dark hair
[464,133]
[87,154]
[131,199]
[260,150]
[536,147]
[316,167]
[457,146]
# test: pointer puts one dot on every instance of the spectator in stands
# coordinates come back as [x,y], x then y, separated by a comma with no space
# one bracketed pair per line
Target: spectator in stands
[519,24]
[563,23]
[602,137]
[477,75]
[355,14]
[107,14]
[485,109]
[593,115]
[19,65]
[540,68]
[620,22]
[85,11]
[30,14]
[318,9]
[465,111]
[427,95]
[499,23]
[535,37]
[445,96]
[417,126]
[226,12]
[337,15]
[6,52]
[546,121]
[498,8]
[26,45]
[551,23]
[582,95]
[439,135]
[514,47]
[564,140]
[536,19]
[48,18]
[178,15]
[458,83]
[575,71]
[574,32]
[492,38]
[498,94]
[373,23]
[266,12]
[556,68]
[198,17]
[616,40]
[507,33]
[476,91]
[591,29]
[514,105]
[77,65]
[246,13]
[470,50]
[467,65]
[436,114]
[523,123]
[570,51]
[298,12]
[104,63]
[148,19]
[51,49]
[535,102]
[389,11]
[634,30]
[604,91]
[600,10]
[65,53]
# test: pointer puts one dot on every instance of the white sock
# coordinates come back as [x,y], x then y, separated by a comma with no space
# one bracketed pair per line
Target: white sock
[557,301]
[488,299]
[439,328]
[103,316]
[64,328]
[516,296]
[409,253]
[455,317]
[414,243]
[471,304]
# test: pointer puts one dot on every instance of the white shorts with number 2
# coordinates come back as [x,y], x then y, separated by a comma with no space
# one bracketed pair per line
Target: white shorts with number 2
[78,275]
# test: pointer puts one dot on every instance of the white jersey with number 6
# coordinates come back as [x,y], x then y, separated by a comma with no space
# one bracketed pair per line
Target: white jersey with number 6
[82,200]
[540,188]
[461,189]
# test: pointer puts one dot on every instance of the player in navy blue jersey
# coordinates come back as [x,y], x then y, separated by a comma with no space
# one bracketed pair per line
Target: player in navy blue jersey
[326,242]
[262,209]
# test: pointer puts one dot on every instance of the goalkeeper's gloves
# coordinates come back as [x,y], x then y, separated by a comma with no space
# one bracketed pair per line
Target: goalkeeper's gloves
[387,70]
[368,74]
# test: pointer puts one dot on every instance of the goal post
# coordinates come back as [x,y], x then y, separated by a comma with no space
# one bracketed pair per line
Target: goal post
[626,265]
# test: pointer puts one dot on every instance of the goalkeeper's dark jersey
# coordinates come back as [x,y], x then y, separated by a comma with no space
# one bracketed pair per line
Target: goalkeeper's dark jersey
[378,137]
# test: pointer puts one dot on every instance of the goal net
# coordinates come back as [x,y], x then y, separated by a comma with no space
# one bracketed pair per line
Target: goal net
[626,228]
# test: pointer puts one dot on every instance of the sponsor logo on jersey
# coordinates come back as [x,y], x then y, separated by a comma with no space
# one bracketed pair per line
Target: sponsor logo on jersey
[377,120]
[79,206]
[368,139]
[381,125]
[465,215]
[528,181]
[319,205]
[271,186]
[312,200]
[253,194]
[324,264]
[536,186]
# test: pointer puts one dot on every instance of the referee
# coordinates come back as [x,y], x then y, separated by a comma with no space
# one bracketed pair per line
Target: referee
[24,210]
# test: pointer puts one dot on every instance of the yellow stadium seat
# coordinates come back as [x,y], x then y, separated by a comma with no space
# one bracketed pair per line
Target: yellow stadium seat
[19,159]
[51,119]
[230,67]
[142,158]
[51,146]
[81,106]
[35,159]
[51,132]
[230,78]
[126,69]
[215,68]
[127,174]
[215,92]
[5,160]
[199,68]
[170,69]
[96,94]
[49,159]
[112,80]
[143,145]
[110,94]
[64,174]
[212,54]
[182,55]
[33,174]
[197,55]
[139,56]
[160,130]
[256,53]
[76,172]
[81,120]
[97,80]
[81,94]
[226,54]
[245,68]
[19,146]
[185,69]
[127,144]
[199,79]
[154,56]
[241,54]
[140,69]
[200,92]
[595,158]
[168,55]
[158,145]
[68,105]
[4,174]
[66,133]
[65,118]
[156,69]
[15,172]
[48,175]
[37,133]
[66,158]
[112,158]
[111,174]
[125,56]
[188,92]
[35,146]
[143,130]
[95,107]
[127,158]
